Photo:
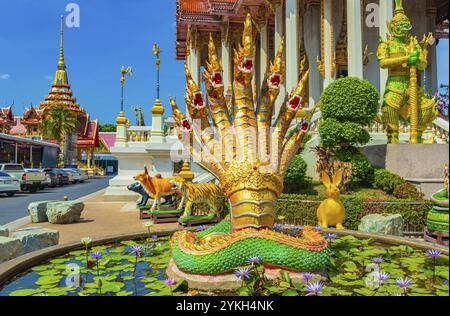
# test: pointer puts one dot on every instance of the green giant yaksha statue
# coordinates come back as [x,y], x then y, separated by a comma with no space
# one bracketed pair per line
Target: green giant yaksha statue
[405,58]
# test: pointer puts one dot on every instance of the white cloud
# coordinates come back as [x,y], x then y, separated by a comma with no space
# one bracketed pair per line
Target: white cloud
[5,76]
[49,78]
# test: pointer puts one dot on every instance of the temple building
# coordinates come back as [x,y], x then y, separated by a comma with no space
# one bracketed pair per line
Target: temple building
[334,37]
[84,141]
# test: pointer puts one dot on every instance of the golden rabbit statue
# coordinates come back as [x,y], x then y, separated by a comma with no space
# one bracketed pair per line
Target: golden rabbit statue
[331,212]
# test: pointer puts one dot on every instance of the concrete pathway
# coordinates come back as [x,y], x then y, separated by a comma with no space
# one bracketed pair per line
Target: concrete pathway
[100,219]
[13,208]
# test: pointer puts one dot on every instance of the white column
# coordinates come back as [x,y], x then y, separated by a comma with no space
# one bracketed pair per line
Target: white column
[328,45]
[194,66]
[263,54]
[355,51]
[279,32]
[312,46]
[386,13]
[292,38]
[225,52]
[157,133]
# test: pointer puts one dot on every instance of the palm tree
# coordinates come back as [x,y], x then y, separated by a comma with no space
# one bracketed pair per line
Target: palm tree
[58,122]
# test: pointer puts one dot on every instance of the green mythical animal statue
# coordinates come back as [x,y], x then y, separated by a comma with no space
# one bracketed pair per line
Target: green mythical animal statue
[403,56]
[250,169]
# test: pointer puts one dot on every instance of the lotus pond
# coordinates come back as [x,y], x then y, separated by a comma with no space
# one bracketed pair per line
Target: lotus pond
[358,268]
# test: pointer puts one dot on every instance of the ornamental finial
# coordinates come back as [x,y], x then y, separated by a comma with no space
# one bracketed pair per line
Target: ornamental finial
[399,7]
[247,37]
[61,63]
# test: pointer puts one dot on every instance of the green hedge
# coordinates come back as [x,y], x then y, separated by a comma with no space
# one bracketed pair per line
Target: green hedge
[301,210]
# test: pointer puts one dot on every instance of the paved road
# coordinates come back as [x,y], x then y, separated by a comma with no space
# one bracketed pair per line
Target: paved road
[12,208]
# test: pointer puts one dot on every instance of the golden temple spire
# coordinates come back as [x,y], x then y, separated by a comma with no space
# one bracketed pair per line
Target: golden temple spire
[61,74]
[61,63]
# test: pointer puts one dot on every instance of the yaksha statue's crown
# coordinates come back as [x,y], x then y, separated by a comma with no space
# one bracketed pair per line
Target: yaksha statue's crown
[248,152]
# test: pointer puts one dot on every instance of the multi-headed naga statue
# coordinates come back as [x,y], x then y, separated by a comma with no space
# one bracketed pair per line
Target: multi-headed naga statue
[403,56]
[249,155]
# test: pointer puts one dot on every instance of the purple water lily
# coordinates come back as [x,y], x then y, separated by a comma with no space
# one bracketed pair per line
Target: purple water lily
[170,282]
[377,259]
[319,228]
[137,250]
[433,253]
[315,288]
[330,236]
[404,283]
[254,260]
[382,276]
[97,255]
[154,237]
[307,276]
[243,273]
[360,248]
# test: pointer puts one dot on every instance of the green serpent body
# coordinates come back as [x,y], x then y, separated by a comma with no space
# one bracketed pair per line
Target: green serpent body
[273,253]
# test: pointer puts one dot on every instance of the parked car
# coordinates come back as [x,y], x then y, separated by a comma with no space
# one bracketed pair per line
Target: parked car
[63,177]
[83,174]
[8,184]
[51,177]
[74,177]
[29,181]
[45,183]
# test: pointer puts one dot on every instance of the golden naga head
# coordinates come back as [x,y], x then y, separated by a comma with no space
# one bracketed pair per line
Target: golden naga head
[244,59]
[213,74]
[276,69]
[194,98]
[400,25]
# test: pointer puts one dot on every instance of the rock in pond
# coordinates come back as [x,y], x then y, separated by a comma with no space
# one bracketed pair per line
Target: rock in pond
[35,238]
[38,211]
[4,232]
[10,248]
[64,212]
[379,224]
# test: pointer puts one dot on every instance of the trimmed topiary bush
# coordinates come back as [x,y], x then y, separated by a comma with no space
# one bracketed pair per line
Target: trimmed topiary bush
[348,105]
[407,191]
[295,175]
[361,167]
[386,180]
[350,100]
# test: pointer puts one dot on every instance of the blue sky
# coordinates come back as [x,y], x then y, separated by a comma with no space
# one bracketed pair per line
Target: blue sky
[111,34]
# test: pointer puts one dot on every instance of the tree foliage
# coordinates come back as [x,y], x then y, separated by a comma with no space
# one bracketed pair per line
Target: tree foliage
[58,122]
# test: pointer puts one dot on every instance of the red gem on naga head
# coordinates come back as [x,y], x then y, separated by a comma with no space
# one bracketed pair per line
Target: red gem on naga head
[294,102]
[304,126]
[247,64]
[185,124]
[275,80]
[217,78]
[198,100]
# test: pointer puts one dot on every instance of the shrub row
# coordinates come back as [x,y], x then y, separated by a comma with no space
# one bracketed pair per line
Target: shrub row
[303,212]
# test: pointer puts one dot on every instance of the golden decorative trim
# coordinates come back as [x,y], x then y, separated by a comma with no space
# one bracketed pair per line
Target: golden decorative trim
[189,243]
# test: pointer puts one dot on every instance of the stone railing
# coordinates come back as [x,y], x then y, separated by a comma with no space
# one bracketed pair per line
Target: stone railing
[139,134]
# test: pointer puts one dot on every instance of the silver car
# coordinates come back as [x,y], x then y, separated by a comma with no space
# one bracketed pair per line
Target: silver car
[8,184]
[74,176]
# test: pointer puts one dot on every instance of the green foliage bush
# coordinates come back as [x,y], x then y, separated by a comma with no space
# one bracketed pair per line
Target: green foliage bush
[407,191]
[302,210]
[342,134]
[361,166]
[350,99]
[295,175]
[387,181]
